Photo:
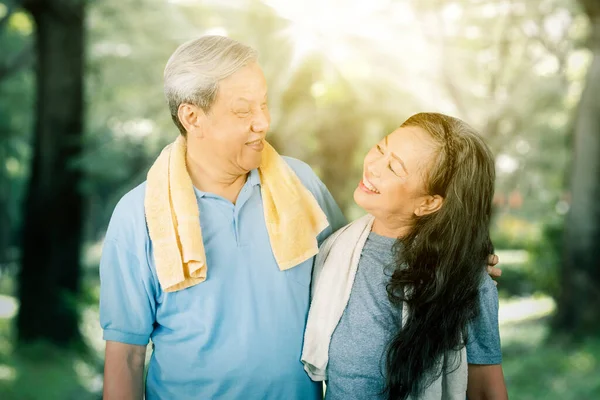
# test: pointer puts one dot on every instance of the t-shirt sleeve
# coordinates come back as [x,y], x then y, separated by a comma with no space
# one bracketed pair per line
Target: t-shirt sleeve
[127,304]
[483,346]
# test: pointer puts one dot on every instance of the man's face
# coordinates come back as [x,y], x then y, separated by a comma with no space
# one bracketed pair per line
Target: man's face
[233,131]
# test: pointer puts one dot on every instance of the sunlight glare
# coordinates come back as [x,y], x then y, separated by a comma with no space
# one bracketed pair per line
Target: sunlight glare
[8,306]
[362,41]
[7,373]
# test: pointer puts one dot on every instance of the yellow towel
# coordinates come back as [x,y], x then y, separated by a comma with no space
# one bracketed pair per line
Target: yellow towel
[292,215]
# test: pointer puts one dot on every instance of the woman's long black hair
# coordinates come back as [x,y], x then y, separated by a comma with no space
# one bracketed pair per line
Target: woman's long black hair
[443,258]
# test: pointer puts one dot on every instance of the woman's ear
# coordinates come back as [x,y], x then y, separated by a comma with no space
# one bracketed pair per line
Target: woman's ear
[430,204]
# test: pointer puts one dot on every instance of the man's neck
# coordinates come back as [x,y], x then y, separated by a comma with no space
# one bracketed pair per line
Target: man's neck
[209,179]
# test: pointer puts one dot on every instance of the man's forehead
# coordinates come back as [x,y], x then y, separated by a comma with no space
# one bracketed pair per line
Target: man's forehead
[242,93]
[244,89]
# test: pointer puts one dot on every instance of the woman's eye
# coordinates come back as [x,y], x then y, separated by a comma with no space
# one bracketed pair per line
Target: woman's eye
[396,168]
[379,149]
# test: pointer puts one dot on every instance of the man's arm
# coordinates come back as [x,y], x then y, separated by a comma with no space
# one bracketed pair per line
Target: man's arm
[127,315]
[124,371]
[492,270]
[486,382]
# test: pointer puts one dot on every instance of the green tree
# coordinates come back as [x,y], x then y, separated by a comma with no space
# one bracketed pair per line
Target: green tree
[506,70]
[49,277]
[579,300]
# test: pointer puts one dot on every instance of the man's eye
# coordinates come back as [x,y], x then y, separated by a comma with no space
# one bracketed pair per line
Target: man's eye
[379,149]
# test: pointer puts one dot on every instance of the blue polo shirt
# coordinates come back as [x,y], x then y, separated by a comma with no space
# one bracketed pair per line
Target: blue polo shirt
[239,334]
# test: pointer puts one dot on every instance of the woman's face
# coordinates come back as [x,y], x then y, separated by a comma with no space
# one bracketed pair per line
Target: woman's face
[393,186]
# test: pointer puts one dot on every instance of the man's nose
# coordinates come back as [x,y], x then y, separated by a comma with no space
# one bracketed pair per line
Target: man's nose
[261,122]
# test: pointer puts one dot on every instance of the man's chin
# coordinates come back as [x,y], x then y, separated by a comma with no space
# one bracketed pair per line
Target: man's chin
[254,161]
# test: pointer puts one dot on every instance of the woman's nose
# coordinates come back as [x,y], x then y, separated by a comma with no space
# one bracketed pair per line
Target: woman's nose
[378,164]
[373,169]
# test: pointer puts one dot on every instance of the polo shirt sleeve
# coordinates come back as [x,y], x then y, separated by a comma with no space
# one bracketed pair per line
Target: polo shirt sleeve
[127,303]
[335,217]
[483,346]
[331,209]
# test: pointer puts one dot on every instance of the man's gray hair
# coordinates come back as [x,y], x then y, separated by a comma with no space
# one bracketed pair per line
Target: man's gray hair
[194,70]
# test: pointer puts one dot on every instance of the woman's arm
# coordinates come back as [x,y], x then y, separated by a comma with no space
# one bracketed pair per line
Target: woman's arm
[486,382]
[484,353]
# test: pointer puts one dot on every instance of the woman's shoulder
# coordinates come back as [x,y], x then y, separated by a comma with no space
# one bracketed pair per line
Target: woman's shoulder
[358,224]
[488,288]
[344,239]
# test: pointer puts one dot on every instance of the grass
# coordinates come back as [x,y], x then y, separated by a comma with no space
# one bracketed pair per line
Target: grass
[536,368]
[553,371]
[41,371]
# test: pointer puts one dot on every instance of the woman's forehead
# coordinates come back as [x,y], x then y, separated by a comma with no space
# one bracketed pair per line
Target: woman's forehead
[415,138]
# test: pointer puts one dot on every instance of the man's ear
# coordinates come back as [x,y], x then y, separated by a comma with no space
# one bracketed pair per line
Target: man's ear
[430,204]
[192,118]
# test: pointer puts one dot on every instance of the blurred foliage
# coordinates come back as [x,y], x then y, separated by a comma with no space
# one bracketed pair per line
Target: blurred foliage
[16,108]
[538,272]
[546,260]
[537,369]
[512,69]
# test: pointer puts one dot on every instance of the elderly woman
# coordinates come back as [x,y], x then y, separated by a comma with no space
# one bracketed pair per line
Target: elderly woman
[401,304]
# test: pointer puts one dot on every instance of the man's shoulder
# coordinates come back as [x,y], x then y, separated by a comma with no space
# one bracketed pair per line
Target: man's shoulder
[128,217]
[131,203]
[133,198]
[311,181]
[302,169]
[305,173]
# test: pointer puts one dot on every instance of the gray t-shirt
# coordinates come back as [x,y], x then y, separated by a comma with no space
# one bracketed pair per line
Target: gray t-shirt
[357,348]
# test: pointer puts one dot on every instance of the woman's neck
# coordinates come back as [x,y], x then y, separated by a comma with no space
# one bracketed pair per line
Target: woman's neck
[390,228]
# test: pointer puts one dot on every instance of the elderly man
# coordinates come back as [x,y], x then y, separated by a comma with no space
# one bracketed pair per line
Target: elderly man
[238,334]
[211,257]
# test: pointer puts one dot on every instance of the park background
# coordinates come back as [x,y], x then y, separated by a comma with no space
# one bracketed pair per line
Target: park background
[82,117]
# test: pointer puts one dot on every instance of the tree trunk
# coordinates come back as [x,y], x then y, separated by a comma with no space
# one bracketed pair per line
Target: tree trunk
[51,242]
[579,300]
